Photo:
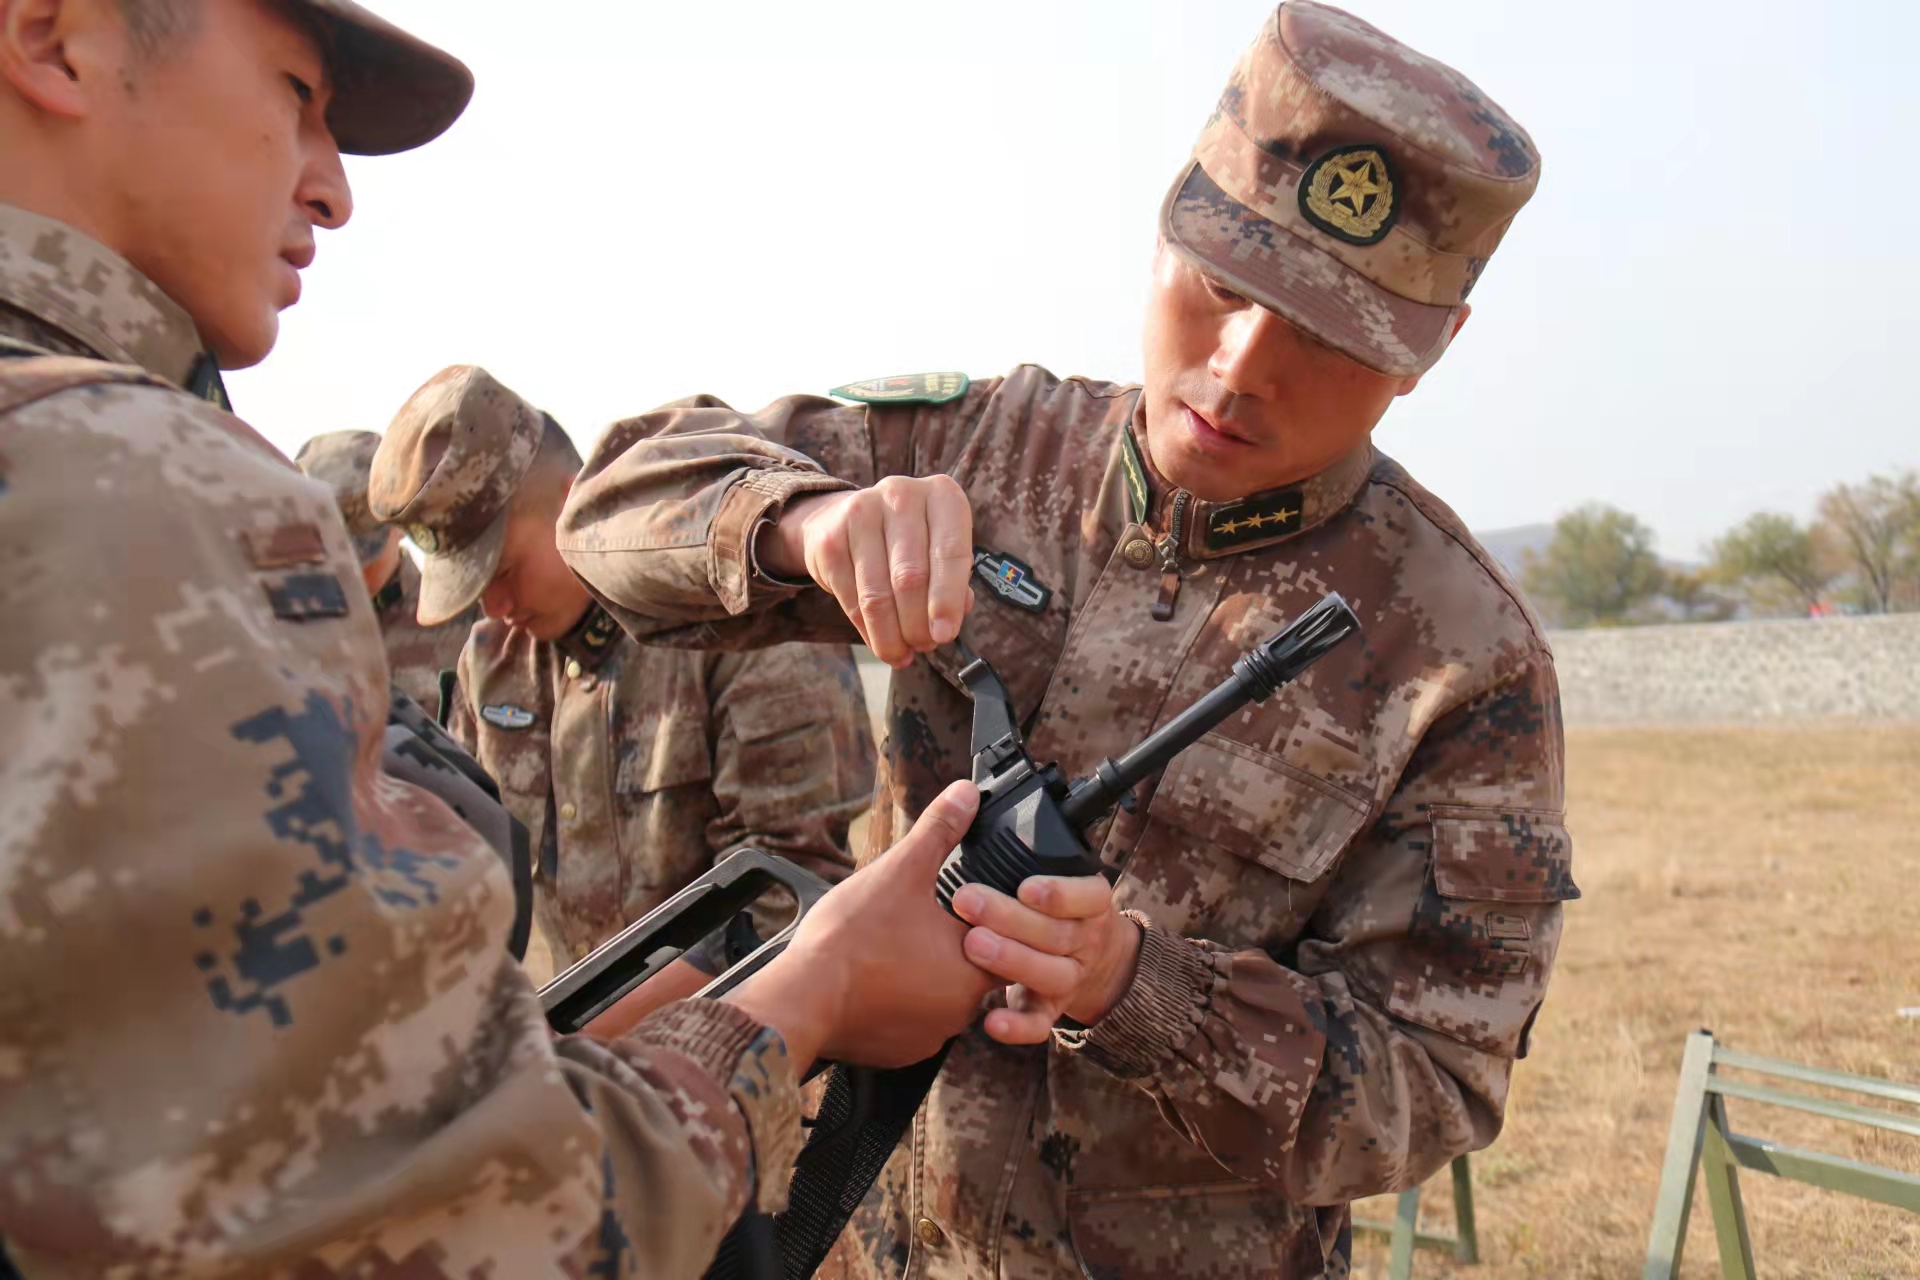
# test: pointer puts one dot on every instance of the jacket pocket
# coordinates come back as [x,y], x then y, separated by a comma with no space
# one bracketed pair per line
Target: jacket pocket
[1481,941]
[1258,807]
[669,750]
[1502,855]
[1224,1231]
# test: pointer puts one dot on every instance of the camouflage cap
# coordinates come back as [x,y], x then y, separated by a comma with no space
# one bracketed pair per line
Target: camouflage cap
[446,472]
[391,91]
[342,460]
[1352,185]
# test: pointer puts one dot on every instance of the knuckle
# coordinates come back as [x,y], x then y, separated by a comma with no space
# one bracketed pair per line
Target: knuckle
[911,574]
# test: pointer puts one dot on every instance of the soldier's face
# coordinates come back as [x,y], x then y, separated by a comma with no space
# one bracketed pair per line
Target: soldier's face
[215,165]
[533,590]
[1237,399]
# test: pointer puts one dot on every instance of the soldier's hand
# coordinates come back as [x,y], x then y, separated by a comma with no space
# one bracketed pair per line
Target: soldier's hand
[875,974]
[1063,945]
[897,557]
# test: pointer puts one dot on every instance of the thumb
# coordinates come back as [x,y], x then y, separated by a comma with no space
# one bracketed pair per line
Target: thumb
[923,849]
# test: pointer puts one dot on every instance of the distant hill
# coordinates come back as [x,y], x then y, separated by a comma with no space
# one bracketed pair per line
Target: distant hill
[1510,546]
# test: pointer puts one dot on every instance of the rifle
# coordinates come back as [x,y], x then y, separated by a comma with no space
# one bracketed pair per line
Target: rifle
[1030,823]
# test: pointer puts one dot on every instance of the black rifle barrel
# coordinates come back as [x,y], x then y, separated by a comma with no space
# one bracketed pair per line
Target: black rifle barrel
[1264,669]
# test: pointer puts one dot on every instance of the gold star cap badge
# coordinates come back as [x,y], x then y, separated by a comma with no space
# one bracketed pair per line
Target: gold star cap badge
[1348,193]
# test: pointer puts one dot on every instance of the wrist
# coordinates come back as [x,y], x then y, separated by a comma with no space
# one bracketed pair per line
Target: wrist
[1122,952]
[801,1005]
[781,547]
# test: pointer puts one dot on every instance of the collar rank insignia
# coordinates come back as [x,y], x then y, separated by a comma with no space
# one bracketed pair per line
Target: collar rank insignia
[1011,580]
[599,630]
[504,715]
[906,388]
[1261,518]
[424,538]
[1348,193]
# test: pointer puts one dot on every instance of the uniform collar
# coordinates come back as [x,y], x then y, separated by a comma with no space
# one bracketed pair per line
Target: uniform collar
[592,638]
[67,291]
[1215,529]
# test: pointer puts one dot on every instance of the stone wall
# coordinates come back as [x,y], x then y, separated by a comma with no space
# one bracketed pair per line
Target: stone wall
[1742,672]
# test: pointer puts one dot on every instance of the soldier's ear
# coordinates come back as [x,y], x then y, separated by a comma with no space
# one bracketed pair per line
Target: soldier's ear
[56,54]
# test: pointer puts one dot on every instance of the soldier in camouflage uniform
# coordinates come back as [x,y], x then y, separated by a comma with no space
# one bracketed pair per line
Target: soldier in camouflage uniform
[634,767]
[416,654]
[257,1016]
[1334,916]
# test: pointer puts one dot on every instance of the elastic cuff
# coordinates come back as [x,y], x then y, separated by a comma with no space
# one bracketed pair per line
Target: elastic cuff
[751,1060]
[749,504]
[1173,983]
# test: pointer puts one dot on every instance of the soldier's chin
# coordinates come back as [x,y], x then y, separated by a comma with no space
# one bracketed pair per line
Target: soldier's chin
[244,343]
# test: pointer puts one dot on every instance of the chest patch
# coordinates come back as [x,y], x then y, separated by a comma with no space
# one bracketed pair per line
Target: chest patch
[504,715]
[288,545]
[1012,580]
[302,597]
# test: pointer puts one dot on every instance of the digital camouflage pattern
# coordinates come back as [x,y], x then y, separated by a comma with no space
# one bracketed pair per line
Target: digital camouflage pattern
[636,768]
[416,654]
[446,472]
[1352,184]
[256,1011]
[1351,893]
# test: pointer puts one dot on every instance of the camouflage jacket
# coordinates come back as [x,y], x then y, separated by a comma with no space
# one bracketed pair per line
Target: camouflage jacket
[256,1013]
[634,767]
[1352,891]
[416,655]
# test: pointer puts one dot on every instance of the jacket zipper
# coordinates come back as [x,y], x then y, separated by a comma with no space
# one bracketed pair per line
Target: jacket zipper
[1170,557]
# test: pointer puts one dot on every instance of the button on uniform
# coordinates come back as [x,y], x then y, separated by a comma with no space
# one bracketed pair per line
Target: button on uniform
[573,668]
[569,811]
[1139,553]
[930,1233]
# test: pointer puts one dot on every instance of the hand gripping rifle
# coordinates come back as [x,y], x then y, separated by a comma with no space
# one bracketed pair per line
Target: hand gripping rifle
[1030,823]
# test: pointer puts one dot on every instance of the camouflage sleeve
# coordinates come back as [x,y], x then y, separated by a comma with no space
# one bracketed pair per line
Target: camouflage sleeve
[793,755]
[462,720]
[1382,1047]
[256,1014]
[663,520]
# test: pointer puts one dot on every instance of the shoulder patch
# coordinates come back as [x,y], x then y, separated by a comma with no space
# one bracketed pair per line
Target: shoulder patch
[907,388]
[504,715]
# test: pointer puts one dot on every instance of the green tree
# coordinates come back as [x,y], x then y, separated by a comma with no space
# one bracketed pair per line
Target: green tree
[1598,568]
[1876,527]
[1692,592]
[1775,562]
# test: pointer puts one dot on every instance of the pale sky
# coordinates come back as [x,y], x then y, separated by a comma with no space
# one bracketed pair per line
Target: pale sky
[1704,311]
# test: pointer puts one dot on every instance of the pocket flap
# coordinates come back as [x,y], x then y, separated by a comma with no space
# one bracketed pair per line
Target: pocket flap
[1258,807]
[669,751]
[1502,855]
[763,717]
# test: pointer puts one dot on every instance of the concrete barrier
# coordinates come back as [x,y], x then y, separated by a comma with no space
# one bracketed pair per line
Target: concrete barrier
[1864,668]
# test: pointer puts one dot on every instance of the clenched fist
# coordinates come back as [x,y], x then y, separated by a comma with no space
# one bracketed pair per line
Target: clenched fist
[897,557]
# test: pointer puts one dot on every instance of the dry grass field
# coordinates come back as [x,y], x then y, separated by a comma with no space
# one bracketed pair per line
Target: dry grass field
[1765,884]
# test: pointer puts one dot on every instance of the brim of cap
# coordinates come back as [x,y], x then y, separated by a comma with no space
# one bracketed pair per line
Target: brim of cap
[452,582]
[392,91]
[1312,289]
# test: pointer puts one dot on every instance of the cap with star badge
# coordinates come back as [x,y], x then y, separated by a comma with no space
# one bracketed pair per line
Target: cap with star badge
[446,472]
[343,461]
[1352,185]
